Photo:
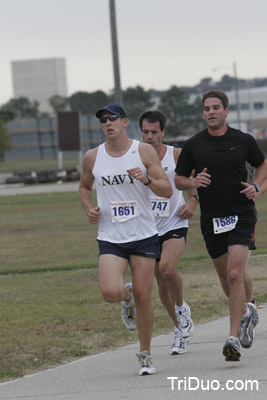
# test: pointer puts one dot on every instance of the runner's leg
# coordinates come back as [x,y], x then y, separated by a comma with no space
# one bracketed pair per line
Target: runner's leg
[143,273]
[111,278]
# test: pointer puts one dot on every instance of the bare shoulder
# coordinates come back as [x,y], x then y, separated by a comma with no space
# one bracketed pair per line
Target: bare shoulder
[146,150]
[89,158]
[148,154]
[176,153]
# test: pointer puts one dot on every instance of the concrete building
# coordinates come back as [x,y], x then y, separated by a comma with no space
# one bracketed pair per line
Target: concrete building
[39,80]
[252,105]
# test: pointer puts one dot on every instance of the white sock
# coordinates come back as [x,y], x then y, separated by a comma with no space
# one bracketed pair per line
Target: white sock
[232,337]
[246,314]
[180,308]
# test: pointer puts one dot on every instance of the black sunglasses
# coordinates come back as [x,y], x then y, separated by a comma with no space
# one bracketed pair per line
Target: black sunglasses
[111,117]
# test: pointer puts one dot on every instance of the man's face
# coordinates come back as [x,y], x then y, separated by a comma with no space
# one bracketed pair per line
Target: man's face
[112,128]
[214,114]
[151,133]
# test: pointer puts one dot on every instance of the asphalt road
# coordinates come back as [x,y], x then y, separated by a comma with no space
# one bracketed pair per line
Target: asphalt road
[200,374]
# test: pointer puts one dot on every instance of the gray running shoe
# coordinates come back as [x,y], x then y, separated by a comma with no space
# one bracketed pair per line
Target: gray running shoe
[145,362]
[246,331]
[185,323]
[255,319]
[179,343]
[128,312]
[231,349]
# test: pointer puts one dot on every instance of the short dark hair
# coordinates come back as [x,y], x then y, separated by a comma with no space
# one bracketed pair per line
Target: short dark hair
[153,116]
[219,94]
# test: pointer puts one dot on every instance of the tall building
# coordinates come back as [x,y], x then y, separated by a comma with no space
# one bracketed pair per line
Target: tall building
[39,80]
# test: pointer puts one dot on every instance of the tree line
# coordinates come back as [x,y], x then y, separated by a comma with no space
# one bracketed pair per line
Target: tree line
[183,117]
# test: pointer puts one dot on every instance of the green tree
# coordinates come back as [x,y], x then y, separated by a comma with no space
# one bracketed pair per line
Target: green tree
[5,138]
[22,107]
[5,141]
[183,118]
[88,103]
[58,103]
[135,101]
[6,115]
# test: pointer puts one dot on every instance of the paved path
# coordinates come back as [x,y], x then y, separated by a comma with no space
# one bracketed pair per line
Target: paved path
[113,375]
[14,189]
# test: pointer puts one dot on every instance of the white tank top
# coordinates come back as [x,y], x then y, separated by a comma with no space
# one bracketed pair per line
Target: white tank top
[126,214]
[165,209]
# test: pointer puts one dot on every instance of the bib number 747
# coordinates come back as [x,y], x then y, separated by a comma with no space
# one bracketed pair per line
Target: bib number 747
[160,206]
[224,224]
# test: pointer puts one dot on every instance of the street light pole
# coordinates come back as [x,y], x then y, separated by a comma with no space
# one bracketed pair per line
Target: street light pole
[236,94]
[237,97]
[118,92]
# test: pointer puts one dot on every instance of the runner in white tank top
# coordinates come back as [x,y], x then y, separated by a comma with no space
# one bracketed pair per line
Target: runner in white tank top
[172,222]
[165,210]
[122,170]
[126,211]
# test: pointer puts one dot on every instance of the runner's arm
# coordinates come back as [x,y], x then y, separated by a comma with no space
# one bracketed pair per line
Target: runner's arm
[86,187]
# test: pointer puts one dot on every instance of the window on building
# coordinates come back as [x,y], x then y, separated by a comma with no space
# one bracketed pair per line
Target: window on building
[232,107]
[245,106]
[258,106]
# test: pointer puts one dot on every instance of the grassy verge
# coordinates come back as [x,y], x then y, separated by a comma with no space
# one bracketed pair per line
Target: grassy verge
[36,165]
[49,294]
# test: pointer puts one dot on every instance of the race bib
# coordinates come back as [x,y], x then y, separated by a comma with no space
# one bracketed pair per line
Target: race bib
[122,211]
[160,206]
[225,224]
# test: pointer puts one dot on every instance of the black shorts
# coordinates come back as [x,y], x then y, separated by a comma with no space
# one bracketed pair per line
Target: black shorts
[174,234]
[148,247]
[243,233]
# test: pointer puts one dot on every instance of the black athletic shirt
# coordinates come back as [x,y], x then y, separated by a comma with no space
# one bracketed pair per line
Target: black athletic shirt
[225,159]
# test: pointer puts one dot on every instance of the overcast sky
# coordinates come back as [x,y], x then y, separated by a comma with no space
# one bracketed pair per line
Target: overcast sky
[161,42]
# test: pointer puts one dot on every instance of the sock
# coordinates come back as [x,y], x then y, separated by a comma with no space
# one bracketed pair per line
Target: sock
[232,338]
[180,308]
[246,314]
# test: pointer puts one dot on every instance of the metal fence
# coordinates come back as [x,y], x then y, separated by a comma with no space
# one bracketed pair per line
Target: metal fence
[38,138]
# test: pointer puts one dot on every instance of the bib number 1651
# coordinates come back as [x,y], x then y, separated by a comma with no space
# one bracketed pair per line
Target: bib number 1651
[122,211]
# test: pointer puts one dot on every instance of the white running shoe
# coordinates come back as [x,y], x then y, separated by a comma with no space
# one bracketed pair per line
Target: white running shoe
[246,331]
[128,312]
[185,323]
[179,343]
[145,362]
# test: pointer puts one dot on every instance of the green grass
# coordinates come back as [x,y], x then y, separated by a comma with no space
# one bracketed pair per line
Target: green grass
[37,165]
[44,231]
[50,303]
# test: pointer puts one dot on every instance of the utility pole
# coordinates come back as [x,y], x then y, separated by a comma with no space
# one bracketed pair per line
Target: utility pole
[115,53]
[237,97]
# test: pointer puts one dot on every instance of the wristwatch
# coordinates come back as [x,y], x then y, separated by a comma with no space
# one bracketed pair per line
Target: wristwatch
[196,196]
[149,180]
[257,187]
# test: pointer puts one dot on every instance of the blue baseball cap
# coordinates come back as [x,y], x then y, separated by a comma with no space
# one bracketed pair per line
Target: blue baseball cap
[113,108]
